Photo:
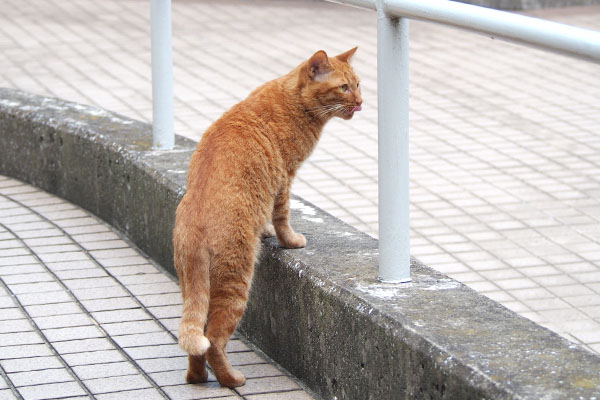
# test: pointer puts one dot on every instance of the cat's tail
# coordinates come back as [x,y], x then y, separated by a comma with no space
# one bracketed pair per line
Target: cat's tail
[192,263]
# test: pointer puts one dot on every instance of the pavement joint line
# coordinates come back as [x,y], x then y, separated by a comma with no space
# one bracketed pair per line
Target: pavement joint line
[41,333]
[88,314]
[122,351]
[10,384]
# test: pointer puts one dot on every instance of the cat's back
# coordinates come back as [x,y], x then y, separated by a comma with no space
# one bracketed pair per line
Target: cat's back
[237,150]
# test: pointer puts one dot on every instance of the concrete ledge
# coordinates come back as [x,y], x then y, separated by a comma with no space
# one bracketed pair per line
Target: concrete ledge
[319,311]
[529,4]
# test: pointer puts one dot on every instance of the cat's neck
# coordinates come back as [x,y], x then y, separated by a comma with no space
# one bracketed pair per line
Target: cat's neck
[303,128]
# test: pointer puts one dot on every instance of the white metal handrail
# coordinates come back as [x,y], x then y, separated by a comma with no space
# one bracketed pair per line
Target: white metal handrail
[163,132]
[392,92]
[393,96]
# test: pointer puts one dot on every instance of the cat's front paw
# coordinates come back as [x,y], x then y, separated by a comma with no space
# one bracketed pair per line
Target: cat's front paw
[293,241]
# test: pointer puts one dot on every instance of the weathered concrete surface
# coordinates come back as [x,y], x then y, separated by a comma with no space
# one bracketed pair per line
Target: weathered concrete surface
[529,4]
[319,311]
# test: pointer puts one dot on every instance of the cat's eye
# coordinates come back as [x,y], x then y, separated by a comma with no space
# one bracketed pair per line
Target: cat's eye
[344,88]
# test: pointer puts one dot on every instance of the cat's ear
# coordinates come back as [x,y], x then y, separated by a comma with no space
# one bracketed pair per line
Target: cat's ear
[319,66]
[347,56]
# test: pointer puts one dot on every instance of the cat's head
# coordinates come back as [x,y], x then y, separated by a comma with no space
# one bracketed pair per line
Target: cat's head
[329,86]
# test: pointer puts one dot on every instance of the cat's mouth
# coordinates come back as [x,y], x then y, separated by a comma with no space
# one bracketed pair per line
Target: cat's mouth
[349,112]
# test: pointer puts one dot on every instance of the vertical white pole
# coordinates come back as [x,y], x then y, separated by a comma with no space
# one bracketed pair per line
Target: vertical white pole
[163,133]
[392,99]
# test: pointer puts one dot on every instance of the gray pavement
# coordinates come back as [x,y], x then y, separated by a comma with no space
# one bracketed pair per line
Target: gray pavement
[505,160]
[83,314]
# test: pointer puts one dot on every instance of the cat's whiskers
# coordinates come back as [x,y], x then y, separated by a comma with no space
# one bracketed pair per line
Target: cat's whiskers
[326,110]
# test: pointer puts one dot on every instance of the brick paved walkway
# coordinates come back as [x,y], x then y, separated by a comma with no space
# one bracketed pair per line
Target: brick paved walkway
[83,314]
[505,160]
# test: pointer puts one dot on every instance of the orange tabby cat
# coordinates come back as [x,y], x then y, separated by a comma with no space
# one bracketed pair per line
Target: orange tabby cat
[238,184]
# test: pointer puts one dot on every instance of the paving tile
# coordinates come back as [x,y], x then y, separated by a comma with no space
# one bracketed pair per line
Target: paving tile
[102,255]
[58,296]
[163,364]
[90,283]
[16,326]
[27,364]
[55,248]
[17,260]
[95,237]
[94,371]
[24,351]
[134,314]
[73,333]
[139,279]
[7,302]
[293,395]
[52,391]
[45,310]
[155,288]
[12,339]
[517,283]
[71,265]
[14,279]
[146,394]
[200,391]
[123,261]
[86,229]
[172,324]
[20,269]
[133,270]
[268,384]
[245,358]
[7,314]
[163,299]
[259,370]
[132,327]
[144,339]
[158,351]
[117,384]
[105,244]
[94,357]
[64,257]
[94,272]
[82,345]
[40,377]
[9,244]
[63,321]
[12,252]
[570,290]
[172,378]
[71,222]
[99,293]
[115,303]
[166,311]
[30,226]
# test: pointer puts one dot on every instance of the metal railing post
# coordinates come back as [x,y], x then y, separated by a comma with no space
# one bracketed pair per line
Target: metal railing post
[392,99]
[163,132]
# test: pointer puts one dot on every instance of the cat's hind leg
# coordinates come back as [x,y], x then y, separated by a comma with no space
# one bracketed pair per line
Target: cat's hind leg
[230,282]
[268,231]
[196,372]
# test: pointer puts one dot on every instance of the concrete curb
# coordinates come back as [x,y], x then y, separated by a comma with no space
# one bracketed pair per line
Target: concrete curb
[319,311]
[529,4]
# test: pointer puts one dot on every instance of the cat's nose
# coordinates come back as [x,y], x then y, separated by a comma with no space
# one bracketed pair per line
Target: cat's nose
[358,101]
